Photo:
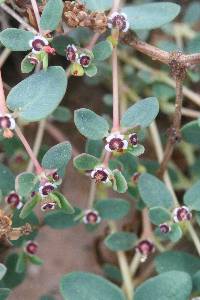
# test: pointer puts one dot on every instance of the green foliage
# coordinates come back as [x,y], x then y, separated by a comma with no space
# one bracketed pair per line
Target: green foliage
[21,263]
[174,235]
[121,241]
[4,293]
[192,14]
[167,286]
[192,197]
[178,261]
[3,270]
[154,192]
[112,208]
[12,278]
[91,70]
[151,15]
[98,5]
[61,114]
[60,43]
[58,157]
[7,180]
[141,114]
[26,66]
[16,39]
[94,147]
[47,297]
[32,106]
[90,124]
[159,215]
[119,182]
[136,151]
[35,260]
[29,206]
[112,272]
[85,162]
[64,203]
[51,15]
[191,132]
[86,286]
[102,50]
[58,219]
[25,183]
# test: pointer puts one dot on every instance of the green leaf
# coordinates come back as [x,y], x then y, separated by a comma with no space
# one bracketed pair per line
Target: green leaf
[87,286]
[112,272]
[65,205]
[51,15]
[98,5]
[192,14]
[25,183]
[119,182]
[34,259]
[7,180]
[26,66]
[16,39]
[61,42]
[154,192]
[121,241]
[196,282]
[150,15]
[91,70]
[177,261]
[90,124]
[192,197]
[37,96]
[191,132]
[21,263]
[58,219]
[29,206]
[137,151]
[12,278]
[94,148]
[85,162]
[141,114]
[58,157]
[159,215]
[112,208]
[4,293]
[167,286]
[102,50]
[47,297]
[174,235]
[62,114]
[3,270]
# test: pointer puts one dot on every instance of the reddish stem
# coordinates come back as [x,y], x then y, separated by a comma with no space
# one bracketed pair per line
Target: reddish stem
[3,107]
[38,167]
[115,91]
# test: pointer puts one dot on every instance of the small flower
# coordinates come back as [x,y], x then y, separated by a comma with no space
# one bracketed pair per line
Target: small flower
[116,142]
[33,59]
[31,247]
[7,122]
[182,214]
[165,228]
[135,177]
[118,21]
[100,175]
[48,206]
[14,200]
[38,43]
[49,50]
[46,189]
[145,247]
[84,60]
[133,139]
[91,217]
[55,176]
[71,53]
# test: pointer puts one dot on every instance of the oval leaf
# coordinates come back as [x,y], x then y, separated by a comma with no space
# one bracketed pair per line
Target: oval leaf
[102,50]
[121,241]
[151,15]
[191,132]
[119,182]
[90,124]
[37,96]
[98,5]
[85,162]
[154,192]
[16,39]
[86,286]
[59,219]
[159,215]
[192,197]
[4,293]
[24,183]
[7,180]
[141,114]
[112,209]
[51,15]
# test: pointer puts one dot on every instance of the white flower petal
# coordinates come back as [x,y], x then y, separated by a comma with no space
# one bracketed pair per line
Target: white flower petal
[108,148]
[12,123]
[19,205]
[125,146]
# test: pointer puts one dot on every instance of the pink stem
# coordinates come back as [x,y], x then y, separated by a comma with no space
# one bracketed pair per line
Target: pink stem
[38,167]
[3,107]
[115,91]
[36,12]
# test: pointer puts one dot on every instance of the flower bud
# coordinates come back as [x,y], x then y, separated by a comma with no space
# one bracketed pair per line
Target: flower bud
[14,200]
[133,139]
[165,228]
[48,206]
[31,247]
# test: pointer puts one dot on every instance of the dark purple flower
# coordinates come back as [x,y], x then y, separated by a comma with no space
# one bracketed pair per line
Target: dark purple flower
[91,217]
[48,206]
[7,122]
[31,248]
[165,228]
[100,175]
[14,200]
[116,142]
[182,214]
[133,138]
[71,53]
[84,60]
[38,43]
[145,248]
[46,189]
[118,21]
